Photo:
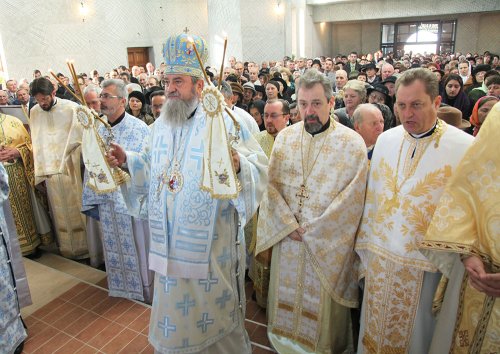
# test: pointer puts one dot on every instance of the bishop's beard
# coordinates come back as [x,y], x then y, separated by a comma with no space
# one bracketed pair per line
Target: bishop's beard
[176,112]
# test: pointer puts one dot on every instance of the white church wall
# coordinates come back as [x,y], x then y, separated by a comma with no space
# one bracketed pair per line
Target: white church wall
[42,34]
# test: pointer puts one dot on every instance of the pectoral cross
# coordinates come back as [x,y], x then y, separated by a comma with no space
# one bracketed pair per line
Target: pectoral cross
[302,194]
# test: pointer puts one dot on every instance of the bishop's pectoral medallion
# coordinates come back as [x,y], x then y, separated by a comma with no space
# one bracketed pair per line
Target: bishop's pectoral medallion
[173,180]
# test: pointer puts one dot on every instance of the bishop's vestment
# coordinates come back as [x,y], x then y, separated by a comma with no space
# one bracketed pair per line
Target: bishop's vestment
[197,244]
[317,183]
[406,180]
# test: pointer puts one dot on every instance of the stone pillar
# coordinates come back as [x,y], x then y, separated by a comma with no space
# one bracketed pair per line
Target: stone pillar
[224,18]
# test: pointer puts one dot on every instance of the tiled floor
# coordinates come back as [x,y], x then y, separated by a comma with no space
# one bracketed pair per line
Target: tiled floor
[82,318]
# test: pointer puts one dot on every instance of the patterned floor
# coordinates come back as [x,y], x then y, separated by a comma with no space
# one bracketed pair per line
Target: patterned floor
[85,319]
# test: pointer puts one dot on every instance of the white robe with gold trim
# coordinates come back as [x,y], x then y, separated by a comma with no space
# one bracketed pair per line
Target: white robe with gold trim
[400,281]
[314,282]
[49,133]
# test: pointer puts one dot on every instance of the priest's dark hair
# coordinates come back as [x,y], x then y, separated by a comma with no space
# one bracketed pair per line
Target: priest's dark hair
[41,85]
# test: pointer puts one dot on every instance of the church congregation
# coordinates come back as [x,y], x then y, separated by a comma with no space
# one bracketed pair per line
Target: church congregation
[356,194]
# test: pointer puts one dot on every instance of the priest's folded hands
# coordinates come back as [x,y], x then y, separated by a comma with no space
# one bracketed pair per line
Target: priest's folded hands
[297,234]
[488,283]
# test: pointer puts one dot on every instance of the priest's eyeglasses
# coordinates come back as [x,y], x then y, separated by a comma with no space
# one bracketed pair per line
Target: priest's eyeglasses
[273,116]
[107,96]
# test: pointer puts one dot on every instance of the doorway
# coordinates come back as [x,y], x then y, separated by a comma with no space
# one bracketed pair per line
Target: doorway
[138,56]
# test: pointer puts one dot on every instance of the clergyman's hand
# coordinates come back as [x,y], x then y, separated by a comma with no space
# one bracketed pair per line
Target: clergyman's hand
[8,154]
[297,234]
[236,160]
[488,283]
[116,155]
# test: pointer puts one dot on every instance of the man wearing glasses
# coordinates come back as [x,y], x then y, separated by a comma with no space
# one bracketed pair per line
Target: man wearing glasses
[50,123]
[125,238]
[276,117]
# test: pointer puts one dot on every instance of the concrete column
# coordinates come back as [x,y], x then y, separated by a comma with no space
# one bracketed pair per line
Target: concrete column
[224,19]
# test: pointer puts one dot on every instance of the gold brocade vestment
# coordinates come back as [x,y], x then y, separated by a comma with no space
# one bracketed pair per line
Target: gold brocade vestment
[260,268]
[467,222]
[21,180]
[313,282]
[407,177]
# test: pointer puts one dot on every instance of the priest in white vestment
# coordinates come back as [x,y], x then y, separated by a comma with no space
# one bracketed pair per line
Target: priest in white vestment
[197,247]
[309,216]
[409,169]
[125,238]
[50,124]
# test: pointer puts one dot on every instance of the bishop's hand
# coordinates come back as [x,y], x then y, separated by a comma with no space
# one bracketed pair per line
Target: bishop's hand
[488,283]
[116,155]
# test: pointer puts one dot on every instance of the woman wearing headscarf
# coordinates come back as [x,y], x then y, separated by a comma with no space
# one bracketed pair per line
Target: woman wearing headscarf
[137,107]
[454,95]
[480,111]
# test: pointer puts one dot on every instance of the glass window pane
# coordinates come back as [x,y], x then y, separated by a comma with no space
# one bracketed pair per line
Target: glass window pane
[387,33]
[406,33]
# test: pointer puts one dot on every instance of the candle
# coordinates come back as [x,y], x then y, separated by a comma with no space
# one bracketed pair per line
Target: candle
[222,64]
[199,60]
[63,85]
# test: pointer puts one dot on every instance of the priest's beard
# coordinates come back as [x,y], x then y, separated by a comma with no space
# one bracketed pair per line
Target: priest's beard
[47,106]
[176,111]
[312,124]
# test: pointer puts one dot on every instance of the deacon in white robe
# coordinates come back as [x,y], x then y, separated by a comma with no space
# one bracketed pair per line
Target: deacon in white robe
[197,243]
[409,169]
[50,124]
[309,216]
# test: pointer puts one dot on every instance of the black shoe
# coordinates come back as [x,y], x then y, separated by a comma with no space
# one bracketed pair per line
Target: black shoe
[35,255]
[19,348]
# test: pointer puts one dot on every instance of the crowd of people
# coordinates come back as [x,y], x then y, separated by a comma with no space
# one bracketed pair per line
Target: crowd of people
[366,218]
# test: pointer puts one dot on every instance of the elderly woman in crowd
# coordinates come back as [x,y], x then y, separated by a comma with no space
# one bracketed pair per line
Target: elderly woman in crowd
[454,95]
[477,77]
[354,95]
[137,107]
[481,109]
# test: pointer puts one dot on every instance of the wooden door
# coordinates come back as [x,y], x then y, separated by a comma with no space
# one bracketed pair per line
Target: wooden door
[138,56]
